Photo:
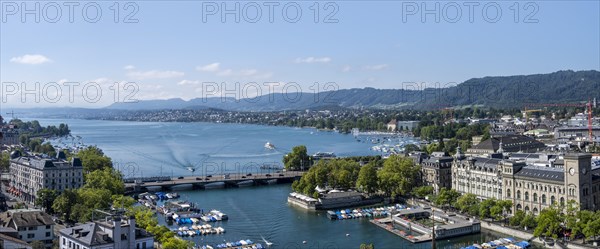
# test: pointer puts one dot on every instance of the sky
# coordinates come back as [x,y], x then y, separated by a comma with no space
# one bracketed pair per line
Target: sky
[192,49]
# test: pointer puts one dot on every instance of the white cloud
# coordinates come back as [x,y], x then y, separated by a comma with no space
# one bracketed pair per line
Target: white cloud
[376,67]
[129,67]
[154,74]
[188,82]
[31,59]
[213,67]
[313,60]
[346,69]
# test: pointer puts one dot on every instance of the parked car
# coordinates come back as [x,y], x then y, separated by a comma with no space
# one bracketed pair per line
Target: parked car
[181,177]
[268,175]
[281,175]
[249,174]
[243,177]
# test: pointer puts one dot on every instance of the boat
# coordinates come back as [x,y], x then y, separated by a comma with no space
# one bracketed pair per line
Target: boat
[324,155]
[192,169]
[269,146]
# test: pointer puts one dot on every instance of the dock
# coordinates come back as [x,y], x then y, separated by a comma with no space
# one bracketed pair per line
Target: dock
[138,185]
[387,224]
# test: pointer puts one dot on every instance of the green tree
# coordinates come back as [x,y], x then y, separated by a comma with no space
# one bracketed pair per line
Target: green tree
[297,159]
[528,222]
[122,201]
[93,159]
[446,197]
[423,191]
[398,176]
[64,203]
[175,243]
[107,178]
[548,223]
[592,228]
[468,203]
[582,219]
[367,178]
[36,244]
[367,246]
[45,199]
[517,218]
[4,160]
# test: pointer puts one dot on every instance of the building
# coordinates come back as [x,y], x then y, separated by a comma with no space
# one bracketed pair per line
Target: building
[10,242]
[30,225]
[576,132]
[29,174]
[407,125]
[437,172]
[507,143]
[113,232]
[477,175]
[391,126]
[533,188]
[8,136]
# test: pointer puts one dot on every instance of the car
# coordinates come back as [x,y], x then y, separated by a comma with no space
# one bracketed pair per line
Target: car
[249,174]
[198,179]
[281,175]
[278,171]
[209,176]
[268,175]
[243,177]
[181,177]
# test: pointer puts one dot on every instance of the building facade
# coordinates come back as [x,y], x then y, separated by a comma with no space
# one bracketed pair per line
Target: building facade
[437,172]
[112,233]
[31,225]
[477,175]
[29,174]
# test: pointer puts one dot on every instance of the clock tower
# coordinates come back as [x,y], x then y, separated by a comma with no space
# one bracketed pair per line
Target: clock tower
[578,179]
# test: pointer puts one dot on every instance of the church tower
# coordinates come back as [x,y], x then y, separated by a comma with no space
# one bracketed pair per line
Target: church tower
[578,179]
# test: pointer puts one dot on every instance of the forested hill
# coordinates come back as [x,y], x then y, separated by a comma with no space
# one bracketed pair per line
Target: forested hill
[495,91]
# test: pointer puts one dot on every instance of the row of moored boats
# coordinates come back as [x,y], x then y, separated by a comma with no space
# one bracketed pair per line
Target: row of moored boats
[194,230]
[504,243]
[344,214]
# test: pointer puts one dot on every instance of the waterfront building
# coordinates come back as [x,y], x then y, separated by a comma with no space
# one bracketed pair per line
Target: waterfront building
[533,188]
[332,199]
[29,174]
[407,125]
[30,225]
[113,232]
[392,125]
[437,172]
[477,175]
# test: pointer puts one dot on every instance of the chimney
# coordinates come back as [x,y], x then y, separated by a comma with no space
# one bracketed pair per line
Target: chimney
[131,235]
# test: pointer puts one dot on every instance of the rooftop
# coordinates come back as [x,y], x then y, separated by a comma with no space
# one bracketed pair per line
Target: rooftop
[26,218]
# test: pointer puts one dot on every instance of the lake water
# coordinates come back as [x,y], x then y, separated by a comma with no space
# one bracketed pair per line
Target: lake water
[150,149]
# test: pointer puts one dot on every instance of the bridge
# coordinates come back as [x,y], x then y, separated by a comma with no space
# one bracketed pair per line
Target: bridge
[200,182]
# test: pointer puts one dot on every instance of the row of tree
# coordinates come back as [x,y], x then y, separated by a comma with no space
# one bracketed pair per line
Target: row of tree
[396,176]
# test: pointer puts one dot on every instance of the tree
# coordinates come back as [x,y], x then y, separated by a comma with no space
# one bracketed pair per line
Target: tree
[175,243]
[45,199]
[581,222]
[485,208]
[36,244]
[367,178]
[517,218]
[548,221]
[592,228]
[297,159]
[528,222]
[4,160]
[468,203]
[93,159]
[446,197]
[107,178]
[367,246]
[423,191]
[64,203]
[122,201]
[398,176]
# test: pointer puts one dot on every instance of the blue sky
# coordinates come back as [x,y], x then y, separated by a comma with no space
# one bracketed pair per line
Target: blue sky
[170,51]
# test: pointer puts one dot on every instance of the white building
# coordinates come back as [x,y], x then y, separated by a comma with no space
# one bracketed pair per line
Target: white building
[112,233]
[29,174]
[31,225]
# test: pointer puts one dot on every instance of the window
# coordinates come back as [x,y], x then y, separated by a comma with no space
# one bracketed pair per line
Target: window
[535,199]
[552,200]
[518,194]
[47,226]
[508,193]
[526,196]
[64,241]
[47,234]
[30,235]
[543,199]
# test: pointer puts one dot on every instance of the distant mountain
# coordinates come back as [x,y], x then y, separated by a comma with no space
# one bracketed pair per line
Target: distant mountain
[496,91]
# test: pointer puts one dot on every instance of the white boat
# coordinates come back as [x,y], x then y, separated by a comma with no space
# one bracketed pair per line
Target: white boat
[269,146]
[192,169]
